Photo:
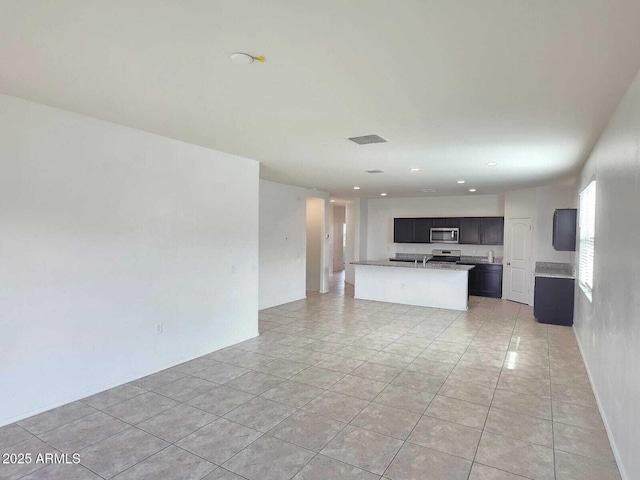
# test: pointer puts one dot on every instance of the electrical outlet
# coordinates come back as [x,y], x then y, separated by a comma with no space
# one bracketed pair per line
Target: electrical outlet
[159,328]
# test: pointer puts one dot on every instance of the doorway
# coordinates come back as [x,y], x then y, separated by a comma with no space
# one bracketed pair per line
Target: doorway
[518,260]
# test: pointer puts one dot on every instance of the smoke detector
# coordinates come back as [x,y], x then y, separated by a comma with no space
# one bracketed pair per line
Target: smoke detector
[240,58]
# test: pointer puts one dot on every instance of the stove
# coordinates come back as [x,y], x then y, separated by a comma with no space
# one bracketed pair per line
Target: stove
[445,256]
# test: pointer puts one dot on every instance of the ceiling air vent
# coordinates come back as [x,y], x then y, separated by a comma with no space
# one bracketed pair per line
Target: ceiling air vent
[368,139]
[374,171]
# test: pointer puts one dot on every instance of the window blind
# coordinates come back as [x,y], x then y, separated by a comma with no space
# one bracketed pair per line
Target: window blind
[587,226]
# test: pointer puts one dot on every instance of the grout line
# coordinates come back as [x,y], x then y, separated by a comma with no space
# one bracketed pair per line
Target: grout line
[553,437]
[289,379]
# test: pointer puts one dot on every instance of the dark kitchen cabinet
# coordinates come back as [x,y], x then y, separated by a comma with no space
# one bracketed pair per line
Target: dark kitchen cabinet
[446,222]
[492,230]
[486,280]
[470,230]
[564,229]
[491,281]
[422,230]
[473,230]
[474,281]
[403,230]
[553,300]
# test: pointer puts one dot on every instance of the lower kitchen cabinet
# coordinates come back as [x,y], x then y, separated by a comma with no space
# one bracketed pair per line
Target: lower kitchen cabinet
[486,280]
[553,300]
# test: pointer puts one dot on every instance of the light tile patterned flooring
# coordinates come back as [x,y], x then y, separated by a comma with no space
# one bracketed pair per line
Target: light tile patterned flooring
[337,388]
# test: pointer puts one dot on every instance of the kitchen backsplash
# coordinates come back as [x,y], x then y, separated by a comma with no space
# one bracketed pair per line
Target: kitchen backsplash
[467,250]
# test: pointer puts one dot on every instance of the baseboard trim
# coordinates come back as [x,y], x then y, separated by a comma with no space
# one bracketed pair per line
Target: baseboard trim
[612,441]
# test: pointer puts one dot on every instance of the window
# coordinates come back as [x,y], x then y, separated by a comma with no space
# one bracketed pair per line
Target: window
[587,238]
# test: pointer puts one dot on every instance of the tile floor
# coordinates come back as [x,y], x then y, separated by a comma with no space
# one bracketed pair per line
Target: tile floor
[337,388]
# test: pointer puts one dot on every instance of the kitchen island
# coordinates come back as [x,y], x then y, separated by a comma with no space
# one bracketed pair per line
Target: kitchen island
[426,285]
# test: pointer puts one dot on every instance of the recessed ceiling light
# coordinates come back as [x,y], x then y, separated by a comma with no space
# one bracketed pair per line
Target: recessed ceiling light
[492,164]
[415,169]
[472,189]
[460,181]
[332,201]
[356,188]
[383,194]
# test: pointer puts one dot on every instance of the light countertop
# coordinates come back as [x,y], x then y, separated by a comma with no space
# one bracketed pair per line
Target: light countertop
[469,259]
[428,266]
[555,270]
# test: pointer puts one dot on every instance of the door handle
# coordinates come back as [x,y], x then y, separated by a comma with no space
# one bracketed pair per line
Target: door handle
[508,263]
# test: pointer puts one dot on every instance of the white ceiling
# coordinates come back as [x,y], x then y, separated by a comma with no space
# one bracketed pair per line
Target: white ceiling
[453,84]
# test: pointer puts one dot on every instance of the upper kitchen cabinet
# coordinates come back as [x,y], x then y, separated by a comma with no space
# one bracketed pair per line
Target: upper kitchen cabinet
[564,229]
[422,230]
[411,230]
[446,222]
[492,230]
[403,230]
[473,230]
[470,230]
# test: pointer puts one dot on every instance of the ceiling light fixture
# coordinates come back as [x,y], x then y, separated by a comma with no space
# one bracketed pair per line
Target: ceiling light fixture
[492,164]
[240,58]
[383,194]
[332,201]
[460,181]
[415,169]
[472,189]
[356,188]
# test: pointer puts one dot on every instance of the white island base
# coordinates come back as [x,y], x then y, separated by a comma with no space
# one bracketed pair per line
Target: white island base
[424,287]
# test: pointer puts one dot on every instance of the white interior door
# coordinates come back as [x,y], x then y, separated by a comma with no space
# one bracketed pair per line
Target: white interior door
[518,261]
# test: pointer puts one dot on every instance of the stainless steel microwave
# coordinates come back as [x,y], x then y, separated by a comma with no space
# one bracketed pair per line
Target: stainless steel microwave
[444,235]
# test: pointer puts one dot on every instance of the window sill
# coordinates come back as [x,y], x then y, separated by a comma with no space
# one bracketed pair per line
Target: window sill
[588,292]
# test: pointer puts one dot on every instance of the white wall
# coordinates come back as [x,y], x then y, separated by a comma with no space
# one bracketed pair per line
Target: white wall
[539,204]
[337,240]
[315,230]
[548,200]
[283,231]
[608,329]
[283,263]
[381,213]
[315,233]
[349,251]
[361,228]
[105,232]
